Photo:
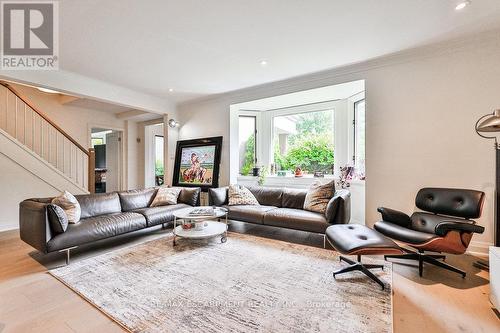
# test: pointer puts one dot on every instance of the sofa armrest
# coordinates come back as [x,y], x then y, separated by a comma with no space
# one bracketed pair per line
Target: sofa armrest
[338,209]
[218,196]
[444,227]
[34,226]
[395,216]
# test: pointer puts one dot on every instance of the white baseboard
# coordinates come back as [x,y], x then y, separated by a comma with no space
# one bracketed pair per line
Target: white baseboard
[7,227]
[479,248]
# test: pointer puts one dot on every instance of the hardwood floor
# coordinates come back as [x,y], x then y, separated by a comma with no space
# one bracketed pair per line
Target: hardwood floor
[31,300]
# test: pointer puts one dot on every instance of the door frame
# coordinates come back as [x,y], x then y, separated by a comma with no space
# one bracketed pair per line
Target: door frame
[123,164]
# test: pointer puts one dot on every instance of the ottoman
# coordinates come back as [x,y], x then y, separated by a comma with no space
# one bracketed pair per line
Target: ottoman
[357,239]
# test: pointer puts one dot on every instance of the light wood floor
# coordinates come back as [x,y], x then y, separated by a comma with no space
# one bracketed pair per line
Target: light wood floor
[31,300]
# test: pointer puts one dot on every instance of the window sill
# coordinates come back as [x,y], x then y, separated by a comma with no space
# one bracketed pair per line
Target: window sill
[304,180]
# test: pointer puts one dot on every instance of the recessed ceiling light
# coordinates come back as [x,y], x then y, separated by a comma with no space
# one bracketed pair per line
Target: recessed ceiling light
[170,90]
[462,5]
[263,62]
[50,91]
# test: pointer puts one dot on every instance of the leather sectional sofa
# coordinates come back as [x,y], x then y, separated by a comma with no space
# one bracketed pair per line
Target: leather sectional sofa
[102,216]
[283,207]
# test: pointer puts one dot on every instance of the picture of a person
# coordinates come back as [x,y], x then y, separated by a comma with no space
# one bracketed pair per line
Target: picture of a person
[196,172]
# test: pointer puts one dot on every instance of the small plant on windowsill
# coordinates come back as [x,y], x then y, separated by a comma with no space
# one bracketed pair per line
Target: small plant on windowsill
[262,176]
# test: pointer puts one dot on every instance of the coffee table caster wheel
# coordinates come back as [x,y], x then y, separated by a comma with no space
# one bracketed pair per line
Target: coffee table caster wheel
[223,239]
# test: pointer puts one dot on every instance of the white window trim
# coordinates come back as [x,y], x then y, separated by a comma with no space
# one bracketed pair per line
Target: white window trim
[343,131]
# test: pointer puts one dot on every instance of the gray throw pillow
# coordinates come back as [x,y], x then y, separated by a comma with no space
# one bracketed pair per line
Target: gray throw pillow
[318,196]
[58,220]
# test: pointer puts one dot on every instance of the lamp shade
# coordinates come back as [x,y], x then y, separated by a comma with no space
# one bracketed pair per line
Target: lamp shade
[491,123]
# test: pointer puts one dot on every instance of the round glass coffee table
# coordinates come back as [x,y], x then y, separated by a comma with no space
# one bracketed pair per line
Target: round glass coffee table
[200,226]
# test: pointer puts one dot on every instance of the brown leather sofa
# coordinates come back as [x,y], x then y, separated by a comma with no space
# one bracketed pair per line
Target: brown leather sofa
[283,207]
[102,216]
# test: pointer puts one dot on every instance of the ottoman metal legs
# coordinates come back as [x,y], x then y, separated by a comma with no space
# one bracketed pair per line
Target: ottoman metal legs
[358,266]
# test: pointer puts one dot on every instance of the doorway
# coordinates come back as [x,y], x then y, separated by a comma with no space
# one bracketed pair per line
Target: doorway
[154,159]
[108,159]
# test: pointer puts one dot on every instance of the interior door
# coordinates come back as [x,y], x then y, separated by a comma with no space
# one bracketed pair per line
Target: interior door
[113,161]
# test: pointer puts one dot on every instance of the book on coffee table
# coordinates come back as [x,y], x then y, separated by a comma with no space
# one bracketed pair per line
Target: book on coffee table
[202,212]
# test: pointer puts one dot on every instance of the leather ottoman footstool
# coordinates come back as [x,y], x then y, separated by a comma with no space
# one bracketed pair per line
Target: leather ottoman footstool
[357,239]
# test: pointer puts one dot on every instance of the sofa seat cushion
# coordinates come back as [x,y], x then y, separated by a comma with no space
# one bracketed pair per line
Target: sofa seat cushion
[296,219]
[160,214]
[248,213]
[96,228]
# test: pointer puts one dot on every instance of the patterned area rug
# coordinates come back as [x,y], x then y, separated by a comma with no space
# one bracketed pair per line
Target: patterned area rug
[249,284]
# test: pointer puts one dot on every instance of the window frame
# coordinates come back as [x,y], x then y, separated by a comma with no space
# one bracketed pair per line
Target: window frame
[255,116]
[354,130]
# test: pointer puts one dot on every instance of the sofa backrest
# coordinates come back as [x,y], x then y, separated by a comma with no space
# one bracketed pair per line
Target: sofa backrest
[135,199]
[189,196]
[267,196]
[293,198]
[98,204]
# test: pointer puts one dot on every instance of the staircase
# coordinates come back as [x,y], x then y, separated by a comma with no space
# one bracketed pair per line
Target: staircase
[50,146]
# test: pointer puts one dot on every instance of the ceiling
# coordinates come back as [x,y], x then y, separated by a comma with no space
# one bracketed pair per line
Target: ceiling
[201,47]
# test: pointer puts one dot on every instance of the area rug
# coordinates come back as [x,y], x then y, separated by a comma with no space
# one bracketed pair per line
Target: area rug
[248,284]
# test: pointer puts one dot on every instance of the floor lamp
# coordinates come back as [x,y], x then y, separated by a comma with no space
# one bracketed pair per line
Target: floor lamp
[490,123]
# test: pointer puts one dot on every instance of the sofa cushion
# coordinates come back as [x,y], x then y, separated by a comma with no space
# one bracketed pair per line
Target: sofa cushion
[293,198]
[160,214]
[240,195]
[165,196]
[296,219]
[135,199]
[70,205]
[58,220]
[218,196]
[318,196]
[267,196]
[247,213]
[96,228]
[189,196]
[99,204]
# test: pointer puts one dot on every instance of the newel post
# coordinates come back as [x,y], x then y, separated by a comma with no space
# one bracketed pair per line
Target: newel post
[91,186]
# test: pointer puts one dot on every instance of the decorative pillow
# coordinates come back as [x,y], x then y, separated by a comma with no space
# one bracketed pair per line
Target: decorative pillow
[240,195]
[57,218]
[166,196]
[70,205]
[318,196]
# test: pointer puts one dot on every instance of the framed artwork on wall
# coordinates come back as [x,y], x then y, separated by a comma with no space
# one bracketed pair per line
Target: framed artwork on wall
[197,162]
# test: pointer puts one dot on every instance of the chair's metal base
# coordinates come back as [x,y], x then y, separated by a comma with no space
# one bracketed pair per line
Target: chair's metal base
[421,257]
[358,266]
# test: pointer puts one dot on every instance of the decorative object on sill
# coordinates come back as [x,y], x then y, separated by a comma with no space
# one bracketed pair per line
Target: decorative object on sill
[256,171]
[262,176]
[197,163]
[273,169]
[172,123]
[345,176]
[490,123]
[298,172]
[319,174]
[282,173]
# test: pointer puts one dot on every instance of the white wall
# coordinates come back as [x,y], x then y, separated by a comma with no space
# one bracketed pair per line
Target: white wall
[421,109]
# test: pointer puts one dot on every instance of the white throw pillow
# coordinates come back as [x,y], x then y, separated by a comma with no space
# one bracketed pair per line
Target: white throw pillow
[240,195]
[70,205]
[166,196]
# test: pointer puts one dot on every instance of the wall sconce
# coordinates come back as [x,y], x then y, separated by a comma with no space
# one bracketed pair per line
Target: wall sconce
[173,123]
